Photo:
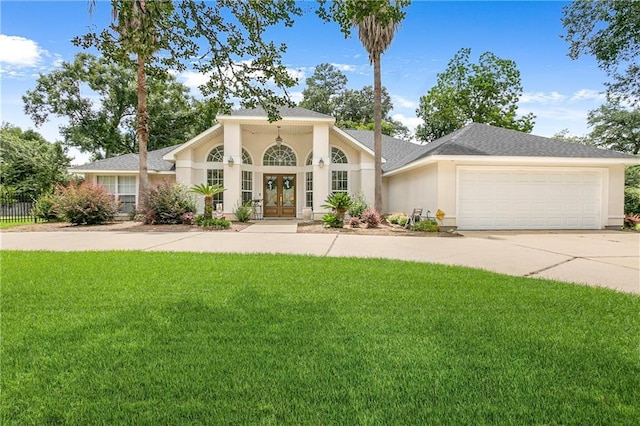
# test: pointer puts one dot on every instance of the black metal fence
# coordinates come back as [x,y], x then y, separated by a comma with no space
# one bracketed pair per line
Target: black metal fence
[14,208]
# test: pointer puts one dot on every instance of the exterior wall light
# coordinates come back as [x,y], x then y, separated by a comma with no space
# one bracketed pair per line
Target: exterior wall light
[321,163]
[230,161]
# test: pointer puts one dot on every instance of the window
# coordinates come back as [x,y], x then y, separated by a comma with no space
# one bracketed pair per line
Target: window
[339,181]
[309,161]
[247,186]
[216,176]
[338,157]
[216,155]
[246,158]
[308,189]
[123,188]
[279,156]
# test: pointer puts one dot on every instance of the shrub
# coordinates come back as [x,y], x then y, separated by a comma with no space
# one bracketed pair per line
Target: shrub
[44,207]
[85,204]
[632,200]
[426,225]
[358,206]
[331,220]
[631,221]
[212,223]
[354,222]
[188,218]
[244,212]
[339,202]
[371,218]
[398,219]
[167,203]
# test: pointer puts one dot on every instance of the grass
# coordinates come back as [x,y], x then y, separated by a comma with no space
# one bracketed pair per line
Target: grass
[5,224]
[173,338]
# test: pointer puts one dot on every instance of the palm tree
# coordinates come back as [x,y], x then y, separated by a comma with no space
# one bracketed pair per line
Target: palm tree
[209,191]
[376,36]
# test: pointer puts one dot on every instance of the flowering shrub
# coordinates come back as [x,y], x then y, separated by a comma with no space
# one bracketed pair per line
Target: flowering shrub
[167,203]
[84,204]
[354,222]
[371,218]
[188,218]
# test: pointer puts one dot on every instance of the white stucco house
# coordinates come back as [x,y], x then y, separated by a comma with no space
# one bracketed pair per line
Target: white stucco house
[482,177]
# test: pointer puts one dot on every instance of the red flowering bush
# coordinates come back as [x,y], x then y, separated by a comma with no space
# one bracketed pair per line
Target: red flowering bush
[85,204]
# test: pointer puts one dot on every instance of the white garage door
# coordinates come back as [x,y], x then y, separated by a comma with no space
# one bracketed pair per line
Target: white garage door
[539,198]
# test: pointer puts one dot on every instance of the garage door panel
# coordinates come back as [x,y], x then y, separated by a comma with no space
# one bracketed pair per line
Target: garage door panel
[529,199]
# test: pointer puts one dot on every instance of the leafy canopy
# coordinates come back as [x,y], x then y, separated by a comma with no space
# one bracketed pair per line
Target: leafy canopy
[28,163]
[466,92]
[615,128]
[610,31]
[98,98]
[225,41]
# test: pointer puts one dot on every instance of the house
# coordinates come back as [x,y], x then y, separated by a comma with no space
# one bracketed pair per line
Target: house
[482,177]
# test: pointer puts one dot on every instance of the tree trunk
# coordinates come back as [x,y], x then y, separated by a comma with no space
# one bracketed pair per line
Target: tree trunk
[377,133]
[142,130]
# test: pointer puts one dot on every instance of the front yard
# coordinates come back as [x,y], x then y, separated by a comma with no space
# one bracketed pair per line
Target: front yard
[173,338]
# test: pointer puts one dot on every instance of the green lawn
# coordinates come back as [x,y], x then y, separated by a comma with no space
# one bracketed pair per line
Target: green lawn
[4,223]
[187,338]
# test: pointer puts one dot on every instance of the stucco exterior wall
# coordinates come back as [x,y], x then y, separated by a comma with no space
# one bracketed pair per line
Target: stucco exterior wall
[414,189]
[615,189]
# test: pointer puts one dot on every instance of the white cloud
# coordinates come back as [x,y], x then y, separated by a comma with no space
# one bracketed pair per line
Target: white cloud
[298,74]
[542,97]
[296,97]
[345,67]
[402,102]
[19,51]
[193,79]
[588,94]
[410,122]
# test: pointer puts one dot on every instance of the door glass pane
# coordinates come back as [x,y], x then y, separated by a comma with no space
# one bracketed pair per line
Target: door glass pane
[288,191]
[271,191]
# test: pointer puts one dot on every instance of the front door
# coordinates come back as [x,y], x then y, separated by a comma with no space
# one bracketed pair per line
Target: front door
[279,195]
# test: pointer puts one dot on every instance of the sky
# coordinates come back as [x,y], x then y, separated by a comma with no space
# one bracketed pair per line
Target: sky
[35,37]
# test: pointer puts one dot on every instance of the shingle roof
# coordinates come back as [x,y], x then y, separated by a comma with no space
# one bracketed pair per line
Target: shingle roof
[483,139]
[396,152]
[129,162]
[283,111]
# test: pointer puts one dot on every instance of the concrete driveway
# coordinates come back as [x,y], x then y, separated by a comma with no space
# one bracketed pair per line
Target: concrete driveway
[605,258]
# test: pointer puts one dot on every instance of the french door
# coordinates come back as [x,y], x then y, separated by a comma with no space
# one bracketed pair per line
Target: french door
[279,195]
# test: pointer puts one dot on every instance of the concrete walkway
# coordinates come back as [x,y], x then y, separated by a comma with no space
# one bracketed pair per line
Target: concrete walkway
[608,259]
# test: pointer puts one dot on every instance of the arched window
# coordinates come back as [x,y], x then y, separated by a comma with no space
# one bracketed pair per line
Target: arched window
[216,155]
[279,156]
[246,158]
[309,161]
[338,157]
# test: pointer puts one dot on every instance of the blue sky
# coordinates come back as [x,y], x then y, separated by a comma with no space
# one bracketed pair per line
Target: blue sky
[36,36]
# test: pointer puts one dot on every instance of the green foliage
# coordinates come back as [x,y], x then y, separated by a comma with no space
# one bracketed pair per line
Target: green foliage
[45,207]
[170,338]
[632,200]
[358,205]
[608,30]
[398,219]
[615,127]
[486,92]
[339,202]
[209,191]
[84,204]
[371,218]
[28,163]
[244,212]
[332,220]
[229,38]
[426,225]
[166,203]
[323,86]
[632,176]
[98,100]
[212,223]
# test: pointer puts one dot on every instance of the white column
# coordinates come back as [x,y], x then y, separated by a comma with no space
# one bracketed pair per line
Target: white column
[232,173]
[321,176]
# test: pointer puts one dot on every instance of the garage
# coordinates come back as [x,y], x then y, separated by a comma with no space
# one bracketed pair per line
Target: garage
[529,198]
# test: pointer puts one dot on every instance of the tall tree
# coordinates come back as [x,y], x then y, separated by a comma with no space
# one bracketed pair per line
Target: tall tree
[616,128]
[486,92]
[29,163]
[610,31]
[323,87]
[377,23]
[223,40]
[98,99]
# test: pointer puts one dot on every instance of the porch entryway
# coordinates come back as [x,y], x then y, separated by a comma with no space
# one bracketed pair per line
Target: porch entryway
[280,195]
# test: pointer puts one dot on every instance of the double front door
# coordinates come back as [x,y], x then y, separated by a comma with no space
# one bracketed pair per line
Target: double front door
[279,195]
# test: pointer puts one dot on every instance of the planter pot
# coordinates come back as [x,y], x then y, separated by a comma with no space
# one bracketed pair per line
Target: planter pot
[307,214]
